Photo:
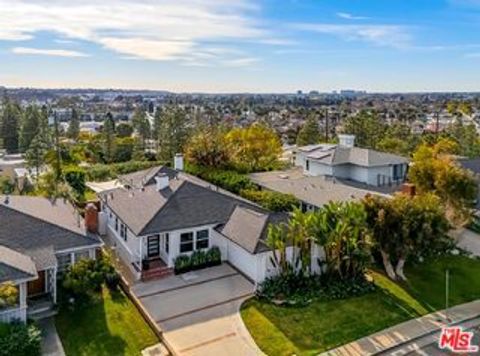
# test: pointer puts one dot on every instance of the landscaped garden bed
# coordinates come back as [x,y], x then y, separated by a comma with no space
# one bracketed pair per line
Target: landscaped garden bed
[326,324]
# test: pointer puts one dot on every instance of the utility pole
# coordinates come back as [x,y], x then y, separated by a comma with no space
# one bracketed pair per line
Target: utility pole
[447,287]
[326,125]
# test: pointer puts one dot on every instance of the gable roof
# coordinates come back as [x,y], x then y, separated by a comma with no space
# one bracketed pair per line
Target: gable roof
[187,202]
[15,266]
[35,226]
[335,154]
[193,205]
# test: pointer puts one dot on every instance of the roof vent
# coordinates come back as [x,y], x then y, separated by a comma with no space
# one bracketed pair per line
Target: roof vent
[7,200]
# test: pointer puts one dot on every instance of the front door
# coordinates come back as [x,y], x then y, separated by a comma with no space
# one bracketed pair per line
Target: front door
[153,246]
[37,286]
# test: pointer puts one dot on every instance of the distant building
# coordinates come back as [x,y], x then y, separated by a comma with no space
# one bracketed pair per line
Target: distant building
[346,161]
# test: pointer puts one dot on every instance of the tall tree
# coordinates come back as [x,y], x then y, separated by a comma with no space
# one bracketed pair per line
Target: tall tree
[405,226]
[367,127]
[10,122]
[341,228]
[35,155]
[434,170]
[253,148]
[309,133]
[207,147]
[141,125]
[172,133]
[30,126]
[108,135]
[74,127]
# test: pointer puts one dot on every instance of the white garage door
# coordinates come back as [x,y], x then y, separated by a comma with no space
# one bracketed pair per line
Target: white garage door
[242,260]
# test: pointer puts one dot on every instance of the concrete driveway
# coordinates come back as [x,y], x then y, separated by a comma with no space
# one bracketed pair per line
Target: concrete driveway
[198,311]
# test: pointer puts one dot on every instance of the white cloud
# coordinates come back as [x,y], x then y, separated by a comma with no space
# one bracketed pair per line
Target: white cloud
[382,35]
[473,55]
[348,16]
[153,30]
[47,52]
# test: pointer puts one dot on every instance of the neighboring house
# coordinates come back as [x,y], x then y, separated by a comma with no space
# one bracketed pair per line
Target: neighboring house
[345,161]
[39,239]
[162,213]
[314,192]
[473,165]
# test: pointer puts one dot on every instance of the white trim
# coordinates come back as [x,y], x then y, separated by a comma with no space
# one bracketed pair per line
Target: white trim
[75,249]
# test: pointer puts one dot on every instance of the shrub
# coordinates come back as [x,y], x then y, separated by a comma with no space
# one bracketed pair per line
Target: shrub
[8,294]
[112,280]
[75,177]
[182,264]
[198,259]
[104,172]
[214,256]
[299,289]
[84,277]
[273,201]
[87,276]
[19,339]
[228,180]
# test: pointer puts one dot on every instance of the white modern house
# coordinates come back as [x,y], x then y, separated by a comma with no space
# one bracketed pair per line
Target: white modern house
[162,213]
[346,161]
[39,239]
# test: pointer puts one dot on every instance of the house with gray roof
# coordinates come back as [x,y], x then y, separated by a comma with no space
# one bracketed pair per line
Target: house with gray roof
[345,161]
[161,213]
[39,239]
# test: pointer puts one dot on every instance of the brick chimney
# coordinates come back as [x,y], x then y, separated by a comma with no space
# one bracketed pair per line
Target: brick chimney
[91,218]
[409,189]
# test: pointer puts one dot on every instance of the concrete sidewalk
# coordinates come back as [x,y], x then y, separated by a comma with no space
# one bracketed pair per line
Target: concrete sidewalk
[467,240]
[406,332]
[51,344]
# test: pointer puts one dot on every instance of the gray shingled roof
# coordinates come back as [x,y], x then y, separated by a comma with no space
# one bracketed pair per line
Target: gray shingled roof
[317,190]
[249,228]
[187,202]
[335,155]
[33,225]
[194,205]
[245,227]
[15,266]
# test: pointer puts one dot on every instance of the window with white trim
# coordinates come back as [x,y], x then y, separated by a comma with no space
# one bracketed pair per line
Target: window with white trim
[116,224]
[82,255]
[202,239]
[123,232]
[64,261]
[186,242]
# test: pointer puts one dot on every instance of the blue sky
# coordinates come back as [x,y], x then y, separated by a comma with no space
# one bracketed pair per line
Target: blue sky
[242,45]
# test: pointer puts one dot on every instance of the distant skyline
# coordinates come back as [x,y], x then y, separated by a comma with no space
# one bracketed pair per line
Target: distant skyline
[242,45]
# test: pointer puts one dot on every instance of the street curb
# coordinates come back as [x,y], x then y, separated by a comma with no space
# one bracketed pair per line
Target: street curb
[406,342]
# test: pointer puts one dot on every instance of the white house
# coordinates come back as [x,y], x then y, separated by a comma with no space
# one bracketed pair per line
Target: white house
[162,213]
[346,161]
[39,239]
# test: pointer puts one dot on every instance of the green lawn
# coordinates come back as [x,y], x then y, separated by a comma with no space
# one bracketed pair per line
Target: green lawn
[327,324]
[110,325]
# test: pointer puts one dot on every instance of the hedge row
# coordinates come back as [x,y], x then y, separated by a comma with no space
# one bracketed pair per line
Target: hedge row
[197,260]
[242,185]
[104,172]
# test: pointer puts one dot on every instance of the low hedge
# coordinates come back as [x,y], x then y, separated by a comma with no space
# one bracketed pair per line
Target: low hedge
[297,289]
[228,180]
[270,200]
[197,260]
[104,172]
[20,339]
